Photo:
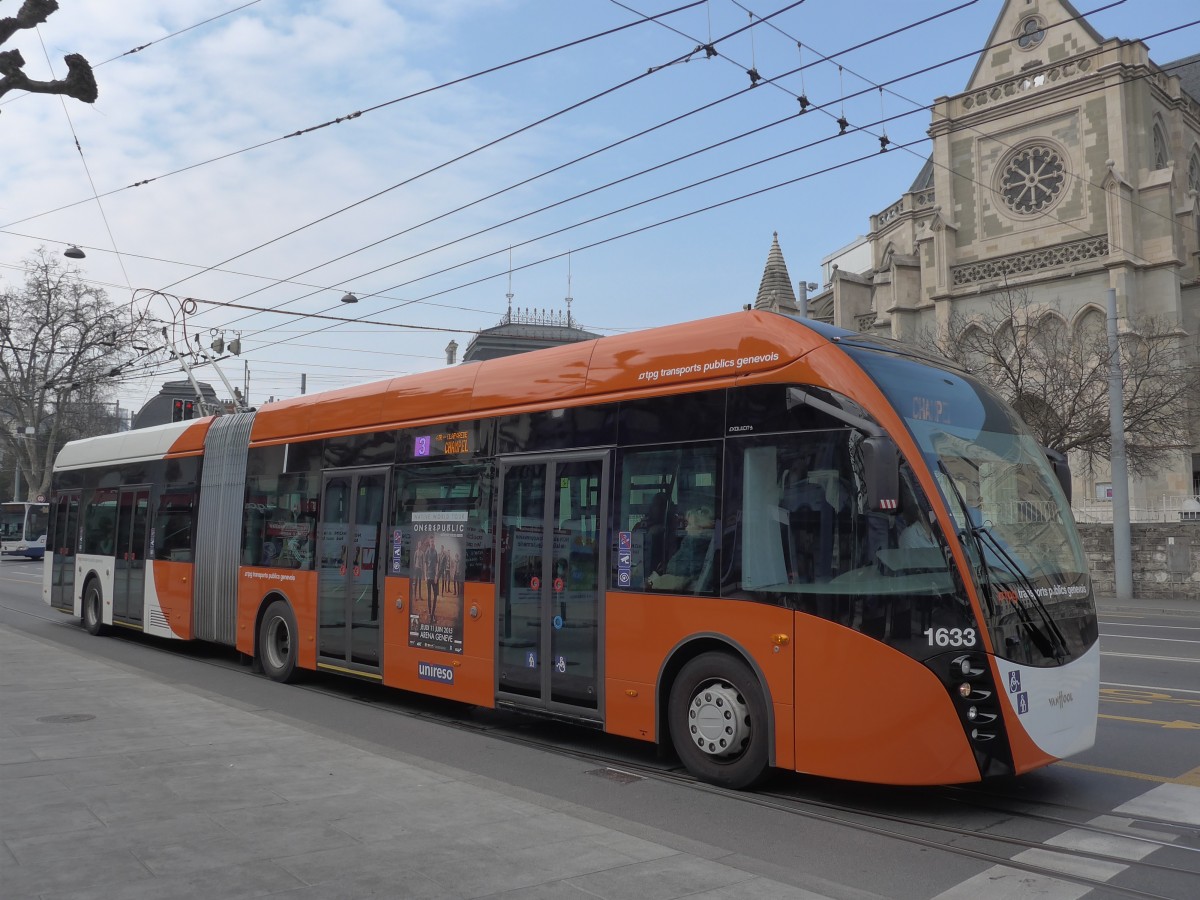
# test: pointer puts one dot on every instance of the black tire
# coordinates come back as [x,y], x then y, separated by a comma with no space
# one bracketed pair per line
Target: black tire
[719,722]
[278,642]
[93,606]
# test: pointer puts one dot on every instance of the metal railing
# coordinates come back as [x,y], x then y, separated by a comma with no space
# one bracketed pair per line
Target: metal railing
[1166,509]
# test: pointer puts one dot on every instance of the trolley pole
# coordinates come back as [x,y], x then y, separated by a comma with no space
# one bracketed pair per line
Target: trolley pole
[1122,562]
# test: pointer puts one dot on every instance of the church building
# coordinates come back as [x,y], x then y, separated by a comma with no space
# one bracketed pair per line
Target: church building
[1068,165]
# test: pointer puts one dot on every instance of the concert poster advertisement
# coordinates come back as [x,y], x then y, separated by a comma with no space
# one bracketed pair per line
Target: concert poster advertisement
[437,567]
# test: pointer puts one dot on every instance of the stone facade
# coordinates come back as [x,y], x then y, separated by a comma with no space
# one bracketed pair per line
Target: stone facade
[1069,165]
[1165,558]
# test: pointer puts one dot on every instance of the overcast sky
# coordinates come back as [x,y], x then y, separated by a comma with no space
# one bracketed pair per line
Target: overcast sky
[233,211]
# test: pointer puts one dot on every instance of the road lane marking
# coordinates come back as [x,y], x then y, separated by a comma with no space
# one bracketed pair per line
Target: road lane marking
[1144,698]
[1146,687]
[1189,778]
[1179,724]
[1187,659]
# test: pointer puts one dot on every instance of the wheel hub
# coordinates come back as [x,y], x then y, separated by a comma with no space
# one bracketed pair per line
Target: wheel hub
[278,642]
[718,720]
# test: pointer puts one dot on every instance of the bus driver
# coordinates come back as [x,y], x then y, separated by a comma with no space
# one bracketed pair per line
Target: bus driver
[687,563]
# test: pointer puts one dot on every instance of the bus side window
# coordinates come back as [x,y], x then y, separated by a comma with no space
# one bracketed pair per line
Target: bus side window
[173,524]
[795,503]
[278,522]
[450,486]
[667,506]
[100,523]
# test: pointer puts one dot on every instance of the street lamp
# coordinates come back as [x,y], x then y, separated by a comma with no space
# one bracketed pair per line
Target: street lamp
[74,252]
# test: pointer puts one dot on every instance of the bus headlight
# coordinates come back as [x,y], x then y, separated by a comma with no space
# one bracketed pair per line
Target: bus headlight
[971,714]
[964,690]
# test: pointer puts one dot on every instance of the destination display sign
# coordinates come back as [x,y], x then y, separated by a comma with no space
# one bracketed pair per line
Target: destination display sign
[442,443]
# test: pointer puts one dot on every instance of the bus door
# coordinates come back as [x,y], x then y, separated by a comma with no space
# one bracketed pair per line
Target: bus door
[129,567]
[61,544]
[349,582]
[549,593]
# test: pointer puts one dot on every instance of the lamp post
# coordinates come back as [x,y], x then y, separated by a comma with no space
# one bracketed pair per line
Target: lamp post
[28,433]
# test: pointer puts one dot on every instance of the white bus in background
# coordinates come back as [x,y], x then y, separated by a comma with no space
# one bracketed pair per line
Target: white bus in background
[23,528]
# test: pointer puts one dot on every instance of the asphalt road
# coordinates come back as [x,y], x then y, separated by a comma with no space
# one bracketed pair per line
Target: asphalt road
[1148,742]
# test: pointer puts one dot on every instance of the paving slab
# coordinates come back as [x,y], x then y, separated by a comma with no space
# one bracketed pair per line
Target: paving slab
[114,785]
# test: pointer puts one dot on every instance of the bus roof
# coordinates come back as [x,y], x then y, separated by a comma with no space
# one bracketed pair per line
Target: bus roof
[688,356]
[674,356]
[140,444]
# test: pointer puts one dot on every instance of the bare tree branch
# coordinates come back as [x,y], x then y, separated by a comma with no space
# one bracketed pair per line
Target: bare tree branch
[61,343]
[1056,377]
[80,82]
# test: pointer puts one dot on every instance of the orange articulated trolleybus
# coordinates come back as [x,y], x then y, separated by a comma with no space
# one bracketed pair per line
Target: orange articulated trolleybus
[764,540]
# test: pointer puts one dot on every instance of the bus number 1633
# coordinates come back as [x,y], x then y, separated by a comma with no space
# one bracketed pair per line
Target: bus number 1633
[950,637]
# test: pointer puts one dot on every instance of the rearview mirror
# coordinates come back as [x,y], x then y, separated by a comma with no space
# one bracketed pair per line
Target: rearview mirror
[1062,470]
[881,465]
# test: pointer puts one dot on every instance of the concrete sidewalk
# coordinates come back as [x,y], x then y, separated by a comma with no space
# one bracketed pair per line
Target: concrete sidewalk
[113,785]
[1184,605]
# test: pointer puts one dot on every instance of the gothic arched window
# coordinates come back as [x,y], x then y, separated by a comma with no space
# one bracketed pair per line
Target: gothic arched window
[1194,173]
[1032,178]
[1160,147]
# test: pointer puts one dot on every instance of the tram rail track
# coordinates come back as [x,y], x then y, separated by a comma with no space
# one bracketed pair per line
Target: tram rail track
[909,829]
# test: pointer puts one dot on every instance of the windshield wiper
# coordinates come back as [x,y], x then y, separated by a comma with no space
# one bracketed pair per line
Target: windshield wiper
[1059,643]
[1052,647]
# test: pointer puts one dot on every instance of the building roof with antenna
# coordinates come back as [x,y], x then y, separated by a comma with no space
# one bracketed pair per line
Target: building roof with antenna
[523,330]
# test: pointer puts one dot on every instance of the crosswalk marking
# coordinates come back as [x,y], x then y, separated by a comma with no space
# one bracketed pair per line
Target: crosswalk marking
[1170,802]
[1173,802]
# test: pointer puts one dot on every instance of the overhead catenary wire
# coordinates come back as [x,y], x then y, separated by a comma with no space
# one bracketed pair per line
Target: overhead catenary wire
[359,113]
[904,146]
[639,230]
[918,107]
[612,145]
[661,21]
[86,168]
[891,82]
[541,121]
[882,121]
[148,44]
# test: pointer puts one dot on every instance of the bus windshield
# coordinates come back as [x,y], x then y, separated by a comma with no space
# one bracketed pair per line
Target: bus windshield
[23,527]
[12,521]
[1010,514]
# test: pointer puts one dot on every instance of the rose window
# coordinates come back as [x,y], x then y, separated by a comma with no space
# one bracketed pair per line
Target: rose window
[1032,179]
[1030,34]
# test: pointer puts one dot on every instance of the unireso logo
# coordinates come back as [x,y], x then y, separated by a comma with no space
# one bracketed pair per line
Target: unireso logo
[433,672]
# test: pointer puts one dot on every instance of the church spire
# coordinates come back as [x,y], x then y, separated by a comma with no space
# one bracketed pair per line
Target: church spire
[775,292]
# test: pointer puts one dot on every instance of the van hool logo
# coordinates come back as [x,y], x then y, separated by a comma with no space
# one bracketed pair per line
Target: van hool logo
[1061,700]
[431,672]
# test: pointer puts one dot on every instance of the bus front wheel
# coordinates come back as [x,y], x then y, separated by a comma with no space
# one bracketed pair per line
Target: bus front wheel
[93,609]
[277,642]
[718,721]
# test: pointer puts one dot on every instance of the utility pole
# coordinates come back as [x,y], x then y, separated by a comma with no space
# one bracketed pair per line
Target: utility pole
[1122,553]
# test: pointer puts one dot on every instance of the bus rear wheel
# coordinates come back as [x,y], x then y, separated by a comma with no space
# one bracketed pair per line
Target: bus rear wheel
[718,721]
[93,609]
[277,642]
